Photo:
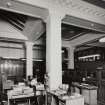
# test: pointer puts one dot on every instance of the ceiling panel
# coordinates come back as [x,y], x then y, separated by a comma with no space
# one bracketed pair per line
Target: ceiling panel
[96,43]
[17,20]
[91,44]
[70,32]
[31,27]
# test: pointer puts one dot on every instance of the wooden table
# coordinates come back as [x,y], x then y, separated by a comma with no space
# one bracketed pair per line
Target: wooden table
[21,96]
[24,96]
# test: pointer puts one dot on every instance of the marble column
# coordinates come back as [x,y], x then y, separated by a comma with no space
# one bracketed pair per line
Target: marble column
[53,50]
[29,58]
[71,57]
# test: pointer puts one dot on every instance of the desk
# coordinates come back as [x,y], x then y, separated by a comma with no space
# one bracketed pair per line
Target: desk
[21,96]
[25,92]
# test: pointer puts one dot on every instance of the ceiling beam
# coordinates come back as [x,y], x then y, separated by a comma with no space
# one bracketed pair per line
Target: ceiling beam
[71,20]
[34,28]
[85,38]
[65,43]
[99,3]
[9,32]
[96,44]
[23,8]
[82,48]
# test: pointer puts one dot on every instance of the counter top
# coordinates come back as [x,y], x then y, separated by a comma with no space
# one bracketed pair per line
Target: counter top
[71,97]
[85,86]
[62,95]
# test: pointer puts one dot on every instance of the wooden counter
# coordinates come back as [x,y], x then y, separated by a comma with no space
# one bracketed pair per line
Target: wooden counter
[84,86]
[57,99]
[88,91]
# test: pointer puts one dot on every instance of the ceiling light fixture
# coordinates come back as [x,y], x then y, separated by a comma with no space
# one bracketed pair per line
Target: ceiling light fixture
[102,40]
[89,56]
[103,0]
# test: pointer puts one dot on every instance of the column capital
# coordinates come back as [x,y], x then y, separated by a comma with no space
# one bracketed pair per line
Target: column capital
[28,43]
[71,47]
[56,14]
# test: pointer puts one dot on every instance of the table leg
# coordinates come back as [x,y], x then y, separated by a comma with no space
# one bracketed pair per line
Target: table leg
[8,102]
[29,101]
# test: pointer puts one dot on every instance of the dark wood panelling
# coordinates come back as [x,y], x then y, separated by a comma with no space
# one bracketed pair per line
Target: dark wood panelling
[12,70]
[90,66]
[39,68]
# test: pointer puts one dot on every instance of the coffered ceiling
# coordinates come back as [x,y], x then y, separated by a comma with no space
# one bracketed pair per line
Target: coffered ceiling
[28,26]
[34,28]
[17,20]
[90,44]
[70,32]
[99,3]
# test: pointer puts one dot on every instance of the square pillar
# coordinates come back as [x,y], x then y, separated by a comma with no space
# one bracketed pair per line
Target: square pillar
[29,58]
[53,50]
[71,57]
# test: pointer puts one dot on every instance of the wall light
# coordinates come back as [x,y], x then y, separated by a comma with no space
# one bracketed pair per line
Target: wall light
[89,56]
